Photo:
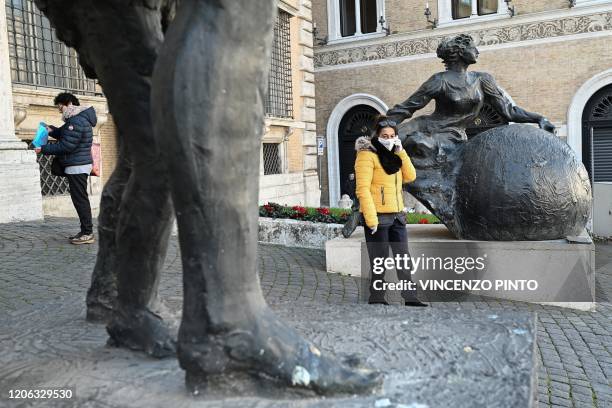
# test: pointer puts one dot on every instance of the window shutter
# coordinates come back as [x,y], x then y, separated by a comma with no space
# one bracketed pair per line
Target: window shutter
[602,154]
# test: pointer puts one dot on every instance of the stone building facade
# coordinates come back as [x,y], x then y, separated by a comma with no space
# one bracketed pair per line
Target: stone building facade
[289,152]
[552,57]
[36,66]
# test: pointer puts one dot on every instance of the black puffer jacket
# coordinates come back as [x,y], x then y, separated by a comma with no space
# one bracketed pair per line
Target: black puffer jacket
[74,139]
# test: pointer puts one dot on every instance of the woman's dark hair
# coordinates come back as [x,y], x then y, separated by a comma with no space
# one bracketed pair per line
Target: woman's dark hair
[383,122]
[451,48]
[65,98]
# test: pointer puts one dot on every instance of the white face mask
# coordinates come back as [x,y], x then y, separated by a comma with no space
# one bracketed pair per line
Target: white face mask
[388,143]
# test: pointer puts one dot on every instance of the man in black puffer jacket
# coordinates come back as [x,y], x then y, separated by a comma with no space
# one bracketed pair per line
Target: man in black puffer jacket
[73,150]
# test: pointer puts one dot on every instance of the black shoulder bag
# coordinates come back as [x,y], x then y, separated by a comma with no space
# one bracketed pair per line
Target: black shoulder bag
[56,167]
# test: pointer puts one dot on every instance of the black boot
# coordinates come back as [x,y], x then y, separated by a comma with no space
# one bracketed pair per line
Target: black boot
[416,303]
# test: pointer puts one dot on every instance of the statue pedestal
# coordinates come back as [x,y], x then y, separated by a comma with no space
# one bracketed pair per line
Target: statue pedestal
[433,357]
[20,197]
[563,269]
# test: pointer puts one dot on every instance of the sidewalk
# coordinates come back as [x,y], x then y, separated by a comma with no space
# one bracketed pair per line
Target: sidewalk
[40,271]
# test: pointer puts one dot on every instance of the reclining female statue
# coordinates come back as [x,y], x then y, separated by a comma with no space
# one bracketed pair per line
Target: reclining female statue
[486,188]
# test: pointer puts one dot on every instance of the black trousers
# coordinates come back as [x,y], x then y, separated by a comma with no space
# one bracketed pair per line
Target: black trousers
[391,234]
[80,199]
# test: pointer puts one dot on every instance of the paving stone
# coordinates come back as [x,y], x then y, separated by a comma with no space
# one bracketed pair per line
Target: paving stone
[584,404]
[543,401]
[561,402]
[563,387]
[578,383]
[560,377]
[581,392]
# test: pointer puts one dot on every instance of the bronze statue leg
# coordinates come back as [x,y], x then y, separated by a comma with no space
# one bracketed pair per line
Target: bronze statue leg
[209,85]
[102,294]
[118,43]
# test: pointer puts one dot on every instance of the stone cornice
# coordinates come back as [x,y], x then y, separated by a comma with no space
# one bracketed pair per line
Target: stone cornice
[483,36]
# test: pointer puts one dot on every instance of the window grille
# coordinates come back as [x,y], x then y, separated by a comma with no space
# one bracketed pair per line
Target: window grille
[271,158]
[280,96]
[36,56]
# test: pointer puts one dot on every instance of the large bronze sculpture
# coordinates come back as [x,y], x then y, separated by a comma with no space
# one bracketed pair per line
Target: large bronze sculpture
[514,182]
[203,82]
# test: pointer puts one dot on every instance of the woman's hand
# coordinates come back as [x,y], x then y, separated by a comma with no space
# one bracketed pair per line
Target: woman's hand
[546,125]
[374,229]
[398,145]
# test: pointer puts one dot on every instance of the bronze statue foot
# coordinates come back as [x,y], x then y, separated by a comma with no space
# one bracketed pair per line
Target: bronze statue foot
[266,348]
[141,330]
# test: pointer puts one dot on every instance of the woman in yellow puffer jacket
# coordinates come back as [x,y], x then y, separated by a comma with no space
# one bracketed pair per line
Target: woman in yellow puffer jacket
[381,168]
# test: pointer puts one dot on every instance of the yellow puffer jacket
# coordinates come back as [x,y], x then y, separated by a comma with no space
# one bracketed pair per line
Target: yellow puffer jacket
[377,191]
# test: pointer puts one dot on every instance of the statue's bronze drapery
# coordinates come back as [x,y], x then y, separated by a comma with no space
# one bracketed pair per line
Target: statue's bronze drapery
[187,102]
[514,182]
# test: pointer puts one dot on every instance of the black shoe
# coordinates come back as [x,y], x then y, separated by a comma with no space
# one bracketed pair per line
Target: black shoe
[75,236]
[416,304]
[378,302]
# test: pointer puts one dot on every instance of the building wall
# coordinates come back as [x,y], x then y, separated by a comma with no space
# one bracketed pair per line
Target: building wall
[541,57]
[407,16]
[110,152]
[299,183]
[537,6]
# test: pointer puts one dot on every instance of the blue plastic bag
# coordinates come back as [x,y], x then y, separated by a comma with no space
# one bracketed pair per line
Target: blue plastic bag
[42,135]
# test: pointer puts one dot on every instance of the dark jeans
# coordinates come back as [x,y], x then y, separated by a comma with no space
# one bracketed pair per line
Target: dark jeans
[391,233]
[80,199]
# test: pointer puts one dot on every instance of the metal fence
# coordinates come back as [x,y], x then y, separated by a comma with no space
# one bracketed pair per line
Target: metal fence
[50,185]
[271,159]
[37,57]
[280,96]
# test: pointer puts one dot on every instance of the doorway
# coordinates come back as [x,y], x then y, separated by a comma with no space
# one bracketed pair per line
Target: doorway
[597,156]
[358,121]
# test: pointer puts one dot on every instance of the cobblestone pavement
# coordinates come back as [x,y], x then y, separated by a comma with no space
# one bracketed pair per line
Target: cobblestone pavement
[37,265]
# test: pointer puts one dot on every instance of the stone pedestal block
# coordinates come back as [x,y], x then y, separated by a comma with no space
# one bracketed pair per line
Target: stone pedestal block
[439,357]
[20,196]
[562,269]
